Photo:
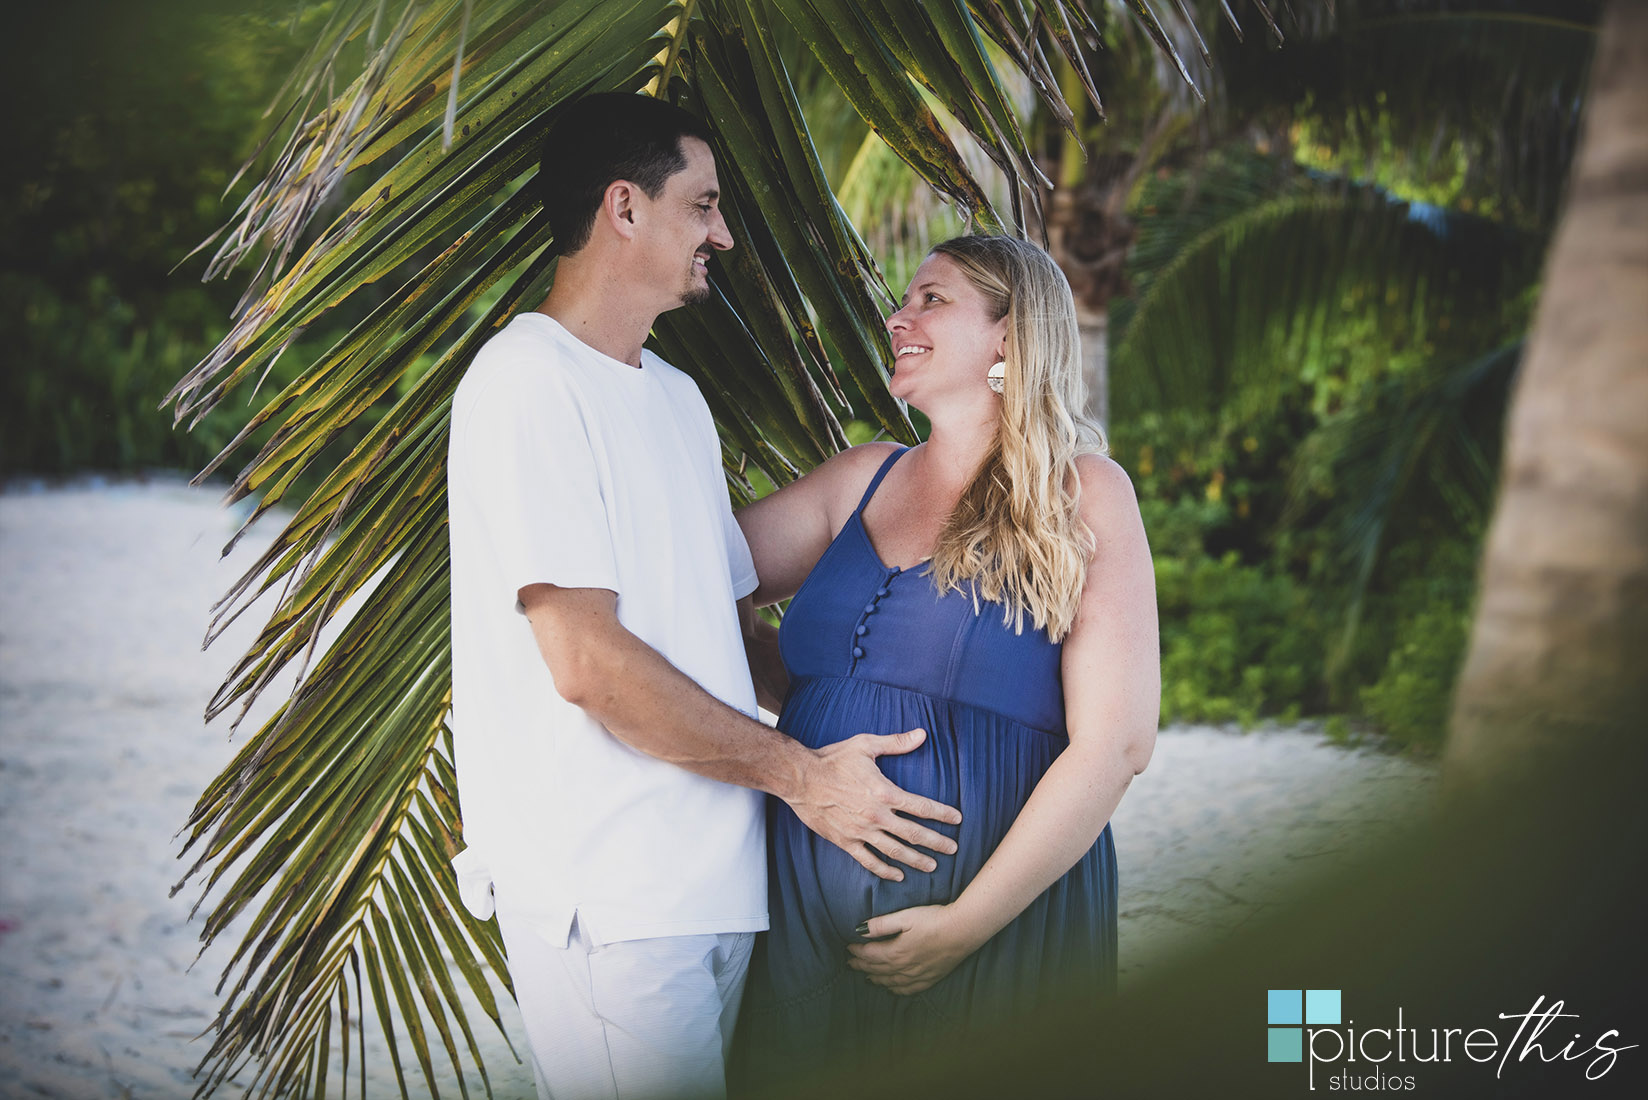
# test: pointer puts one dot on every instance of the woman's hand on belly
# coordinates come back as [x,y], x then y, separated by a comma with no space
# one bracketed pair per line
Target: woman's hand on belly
[913,949]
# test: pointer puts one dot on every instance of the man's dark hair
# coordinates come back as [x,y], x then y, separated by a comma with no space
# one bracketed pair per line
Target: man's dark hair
[607,137]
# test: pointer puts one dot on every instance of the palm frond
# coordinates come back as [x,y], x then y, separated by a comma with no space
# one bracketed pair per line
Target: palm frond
[1214,187]
[331,830]
[1243,306]
[1418,447]
[1488,89]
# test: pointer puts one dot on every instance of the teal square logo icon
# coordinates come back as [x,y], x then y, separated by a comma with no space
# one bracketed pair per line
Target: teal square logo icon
[1289,1011]
[1321,1006]
[1285,1007]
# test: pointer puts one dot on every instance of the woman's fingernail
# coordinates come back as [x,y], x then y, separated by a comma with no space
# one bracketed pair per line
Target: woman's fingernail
[863,928]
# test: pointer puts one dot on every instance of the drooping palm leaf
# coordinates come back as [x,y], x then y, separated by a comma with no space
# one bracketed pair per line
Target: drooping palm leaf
[331,831]
[1245,304]
[1174,212]
[1487,89]
[1417,447]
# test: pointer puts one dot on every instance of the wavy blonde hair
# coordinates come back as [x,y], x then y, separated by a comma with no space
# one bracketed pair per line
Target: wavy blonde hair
[1016,537]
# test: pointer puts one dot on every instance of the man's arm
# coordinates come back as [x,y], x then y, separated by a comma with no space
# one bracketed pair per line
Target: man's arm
[650,705]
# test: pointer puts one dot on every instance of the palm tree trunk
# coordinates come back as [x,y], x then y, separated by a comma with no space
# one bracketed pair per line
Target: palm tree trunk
[1557,671]
[1089,241]
[1095,347]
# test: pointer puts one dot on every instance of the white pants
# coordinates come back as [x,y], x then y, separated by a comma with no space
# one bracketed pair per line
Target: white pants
[633,1020]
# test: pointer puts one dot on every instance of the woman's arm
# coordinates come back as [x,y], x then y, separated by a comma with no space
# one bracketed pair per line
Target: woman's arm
[1112,692]
[789,530]
[767,671]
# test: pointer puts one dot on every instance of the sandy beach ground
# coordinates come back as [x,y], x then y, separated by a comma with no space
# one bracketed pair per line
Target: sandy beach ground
[104,592]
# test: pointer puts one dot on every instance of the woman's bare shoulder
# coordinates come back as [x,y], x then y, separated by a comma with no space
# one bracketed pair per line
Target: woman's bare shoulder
[831,488]
[1105,486]
[865,457]
[847,473]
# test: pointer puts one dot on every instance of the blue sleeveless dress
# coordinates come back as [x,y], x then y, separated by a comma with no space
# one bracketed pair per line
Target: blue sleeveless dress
[873,649]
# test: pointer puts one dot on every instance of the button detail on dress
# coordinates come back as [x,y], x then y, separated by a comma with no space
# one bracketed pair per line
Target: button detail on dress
[858,651]
[869,608]
[861,631]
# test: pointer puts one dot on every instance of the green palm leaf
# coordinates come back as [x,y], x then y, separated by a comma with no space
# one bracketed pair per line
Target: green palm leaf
[331,831]
[1247,302]
[1419,447]
[1485,89]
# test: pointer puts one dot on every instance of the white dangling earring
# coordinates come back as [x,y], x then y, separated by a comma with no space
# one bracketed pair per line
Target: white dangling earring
[997,378]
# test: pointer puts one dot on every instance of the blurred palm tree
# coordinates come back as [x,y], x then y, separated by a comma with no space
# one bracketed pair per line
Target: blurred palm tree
[1552,691]
[412,133]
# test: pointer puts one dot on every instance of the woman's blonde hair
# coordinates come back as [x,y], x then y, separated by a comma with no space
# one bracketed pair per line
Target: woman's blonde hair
[1016,537]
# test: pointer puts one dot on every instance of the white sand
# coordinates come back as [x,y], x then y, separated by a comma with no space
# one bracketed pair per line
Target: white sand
[104,591]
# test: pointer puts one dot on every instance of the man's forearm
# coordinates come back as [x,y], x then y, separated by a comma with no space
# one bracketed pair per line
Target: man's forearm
[653,707]
[650,705]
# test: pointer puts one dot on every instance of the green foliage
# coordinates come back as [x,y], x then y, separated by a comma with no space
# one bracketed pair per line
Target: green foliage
[1253,610]
[1470,103]
[1173,208]
[1240,632]
[1264,610]
[1426,617]
[1310,389]
[96,371]
[137,114]
[1236,640]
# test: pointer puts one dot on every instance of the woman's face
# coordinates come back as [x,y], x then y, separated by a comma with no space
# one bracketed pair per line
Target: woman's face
[944,340]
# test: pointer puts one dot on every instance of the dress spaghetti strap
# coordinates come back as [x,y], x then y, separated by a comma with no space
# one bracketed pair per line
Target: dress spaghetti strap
[876,481]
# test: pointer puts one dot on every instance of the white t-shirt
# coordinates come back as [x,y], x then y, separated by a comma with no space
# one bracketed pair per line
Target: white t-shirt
[573,469]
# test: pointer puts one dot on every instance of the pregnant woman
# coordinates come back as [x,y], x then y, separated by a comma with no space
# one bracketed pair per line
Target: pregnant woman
[992,586]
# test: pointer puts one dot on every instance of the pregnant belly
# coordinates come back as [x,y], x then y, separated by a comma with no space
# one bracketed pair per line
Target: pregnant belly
[822,885]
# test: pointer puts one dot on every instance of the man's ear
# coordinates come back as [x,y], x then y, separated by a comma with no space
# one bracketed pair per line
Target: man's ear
[618,207]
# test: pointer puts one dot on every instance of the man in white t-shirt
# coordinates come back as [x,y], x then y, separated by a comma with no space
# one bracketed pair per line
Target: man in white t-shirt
[610,765]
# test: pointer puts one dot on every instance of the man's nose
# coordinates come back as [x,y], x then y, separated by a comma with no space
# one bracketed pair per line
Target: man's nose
[720,235]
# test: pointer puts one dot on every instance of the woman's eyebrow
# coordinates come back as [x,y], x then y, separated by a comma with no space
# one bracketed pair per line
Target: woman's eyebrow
[922,286]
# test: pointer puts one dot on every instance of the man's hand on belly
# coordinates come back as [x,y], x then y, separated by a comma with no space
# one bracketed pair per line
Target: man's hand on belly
[845,799]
